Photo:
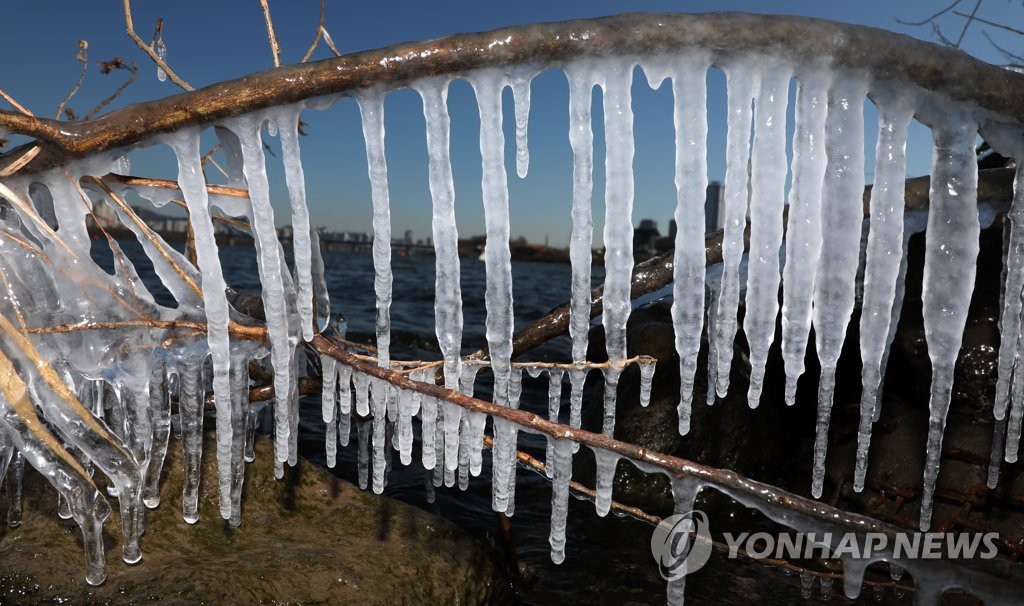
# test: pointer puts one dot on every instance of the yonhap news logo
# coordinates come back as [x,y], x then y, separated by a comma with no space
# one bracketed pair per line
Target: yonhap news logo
[676,552]
[682,544]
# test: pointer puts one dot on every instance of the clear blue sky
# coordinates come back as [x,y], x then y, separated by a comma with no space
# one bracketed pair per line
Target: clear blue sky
[212,41]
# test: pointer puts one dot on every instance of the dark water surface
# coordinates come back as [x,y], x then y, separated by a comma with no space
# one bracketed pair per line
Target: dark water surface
[608,560]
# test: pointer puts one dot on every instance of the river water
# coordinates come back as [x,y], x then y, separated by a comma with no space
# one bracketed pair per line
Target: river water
[608,560]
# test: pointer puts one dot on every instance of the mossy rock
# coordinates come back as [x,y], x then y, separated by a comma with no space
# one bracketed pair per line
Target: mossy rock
[307,539]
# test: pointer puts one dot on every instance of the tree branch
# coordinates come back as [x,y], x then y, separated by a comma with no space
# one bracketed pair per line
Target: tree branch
[997,94]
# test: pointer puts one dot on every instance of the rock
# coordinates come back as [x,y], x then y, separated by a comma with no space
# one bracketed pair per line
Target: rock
[309,538]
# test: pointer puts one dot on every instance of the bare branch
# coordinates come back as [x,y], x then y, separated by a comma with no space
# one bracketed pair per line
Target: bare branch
[15,104]
[107,67]
[993,24]
[149,50]
[970,19]
[997,94]
[274,46]
[933,17]
[83,57]
[319,34]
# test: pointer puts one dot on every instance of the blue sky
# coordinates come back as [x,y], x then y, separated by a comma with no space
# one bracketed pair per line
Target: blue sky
[212,41]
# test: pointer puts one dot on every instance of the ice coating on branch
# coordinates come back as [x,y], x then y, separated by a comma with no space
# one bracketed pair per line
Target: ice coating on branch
[447,284]
[581,138]
[371,109]
[884,255]
[520,84]
[767,187]
[287,121]
[803,232]
[741,83]
[841,219]
[951,250]
[185,144]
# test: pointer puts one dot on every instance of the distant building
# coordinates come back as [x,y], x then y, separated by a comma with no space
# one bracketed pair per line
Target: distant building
[714,207]
[645,236]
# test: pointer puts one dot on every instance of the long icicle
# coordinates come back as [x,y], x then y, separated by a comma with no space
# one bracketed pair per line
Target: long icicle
[803,234]
[951,251]
[741,82]
[884,254]
[689,88]
[841,219]
[447,280]
[767,193]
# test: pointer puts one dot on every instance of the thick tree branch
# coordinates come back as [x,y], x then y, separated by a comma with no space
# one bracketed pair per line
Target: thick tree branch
[997,94]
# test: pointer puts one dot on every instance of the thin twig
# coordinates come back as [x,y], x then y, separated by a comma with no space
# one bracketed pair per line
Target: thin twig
[319,34]
[146,48]
[274,46]
[18,106]
[134,74]
[992,23]
[330,42]
[933,17]
[83,57]
[970,20]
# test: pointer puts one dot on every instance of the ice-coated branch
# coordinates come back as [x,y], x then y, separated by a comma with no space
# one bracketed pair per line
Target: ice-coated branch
[997,94]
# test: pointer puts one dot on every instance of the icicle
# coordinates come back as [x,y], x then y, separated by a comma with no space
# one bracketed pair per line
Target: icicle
[428,427]
[577,378]
[807,585]
[611,388]
[193,187]
[803,233]
[689,89]
[363,456]
[841,219]
[405,412]
[161,51]
[826,588]
[329,376]
[362,387]
[231,494]
[684,492]
[951,250]
[190,406]
[853,576]
[618,222]
[647,366]
[477,421]
[882,264]
[581,137]
[378,404]
[447,285]
[452,421]
[321,301]
[767,191]
[895,571]
[14,484]
[287,120]
[520,84]
[464,455]
[488,85]
[1010,315]
[344,403]
[741,82]
[371,108]
[606,463]
[467,378]
[712,307]
[503,459]
[555,376]
[996,454]
[560,469]
[160,409]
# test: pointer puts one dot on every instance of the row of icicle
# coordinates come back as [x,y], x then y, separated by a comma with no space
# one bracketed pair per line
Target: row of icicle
[818,280]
